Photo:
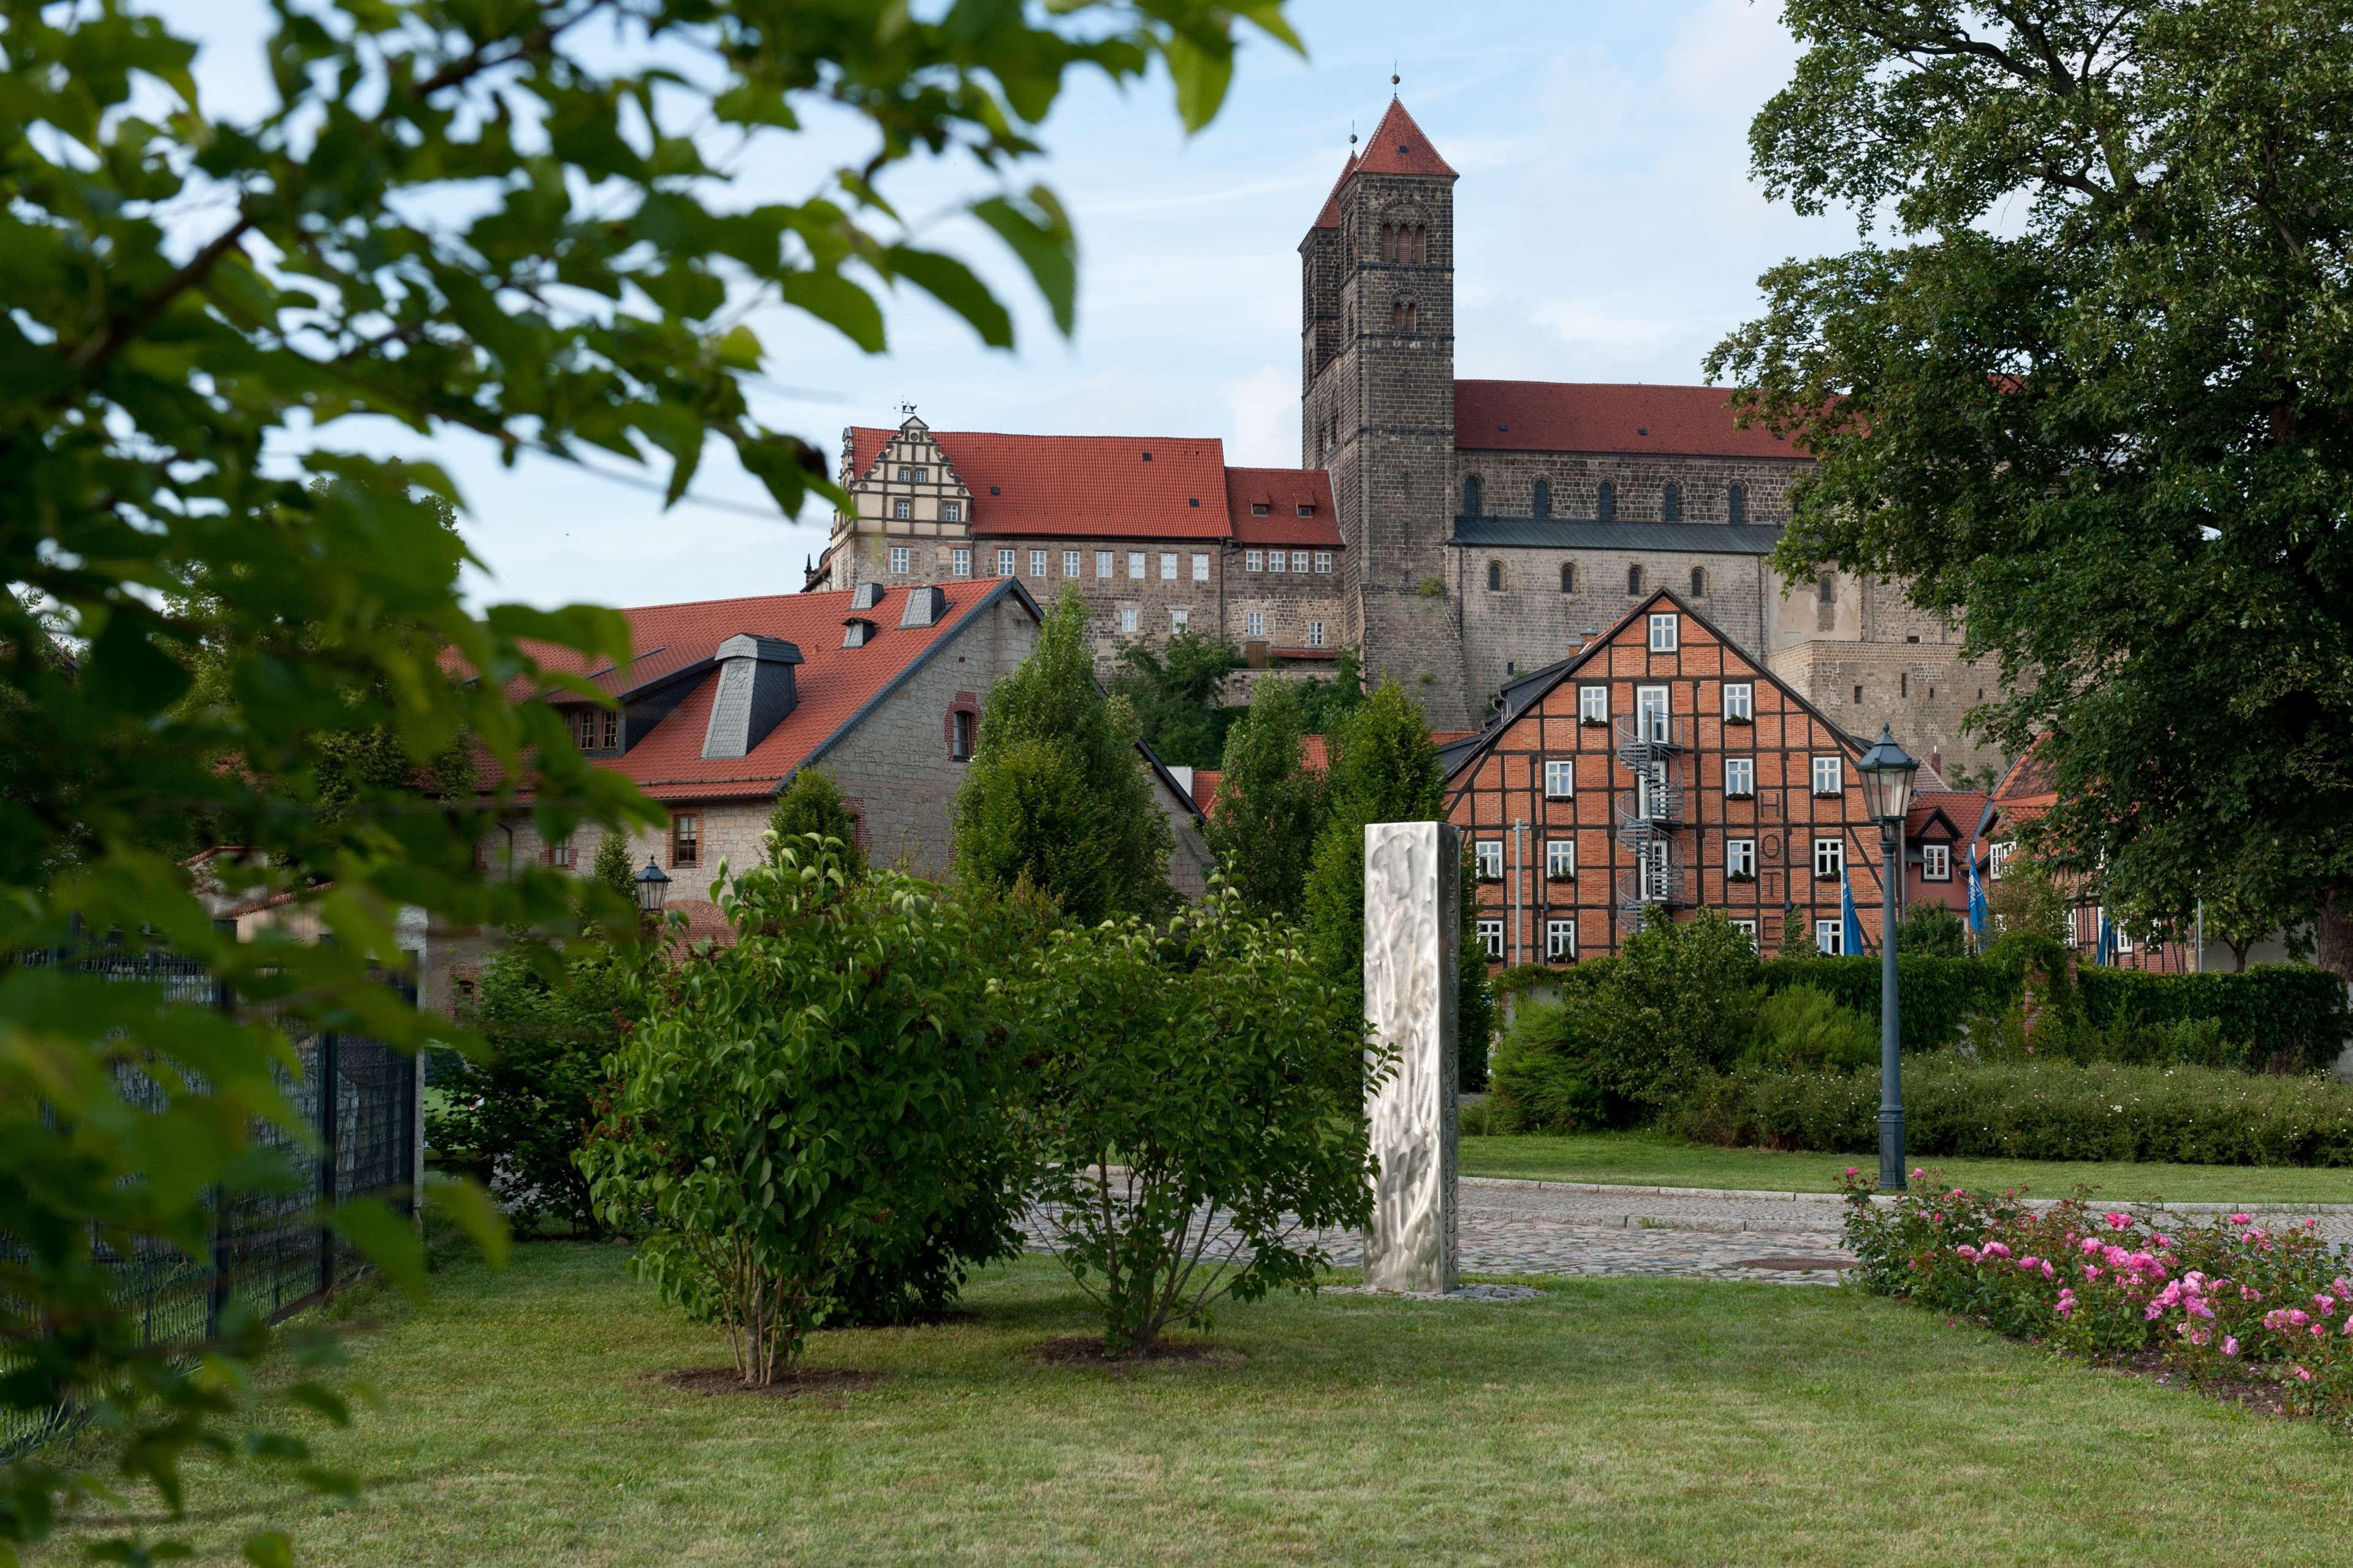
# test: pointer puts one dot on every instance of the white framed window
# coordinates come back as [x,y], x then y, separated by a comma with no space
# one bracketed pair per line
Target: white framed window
[899,561]
[1004,563]
[1740,702]
[1135,565]
[921,476]
[1593,705]
[1830,937]
[2124,939]
[1200,568]
[951,512]
[1127,620]
[1998,860]
[960,562]
[906,476]
[1256,621]
[1276,560]
[1747,927]
[560,852]
[1740,858]
[1830,859]
[1168,566]
[1740,778]
[1491,937]
[1253,560]
[1103,563]
[1179,620]
[1299,561]
[1323,562]
[1037,563]
[1560,858]
[1650,712]
[1488,856]
[1316,634]
[1070,562]
[1830,776]
[1935,862]
[903,510]
[1560,777]
[1560,939]
[1666,633]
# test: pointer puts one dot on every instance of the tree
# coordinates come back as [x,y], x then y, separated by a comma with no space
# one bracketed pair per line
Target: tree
[1324,704]
[197,298]
[612,869]
[811,806]
[2026,900]
[1268,809]
[2088,403]
[2237,925]
[1175,696]
[1058,793]
[1933,930]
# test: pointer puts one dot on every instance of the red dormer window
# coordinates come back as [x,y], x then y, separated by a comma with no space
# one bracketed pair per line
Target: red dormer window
[1258,509]
[1306,509]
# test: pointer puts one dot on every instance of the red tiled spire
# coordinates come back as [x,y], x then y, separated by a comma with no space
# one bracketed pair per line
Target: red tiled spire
[1399,147]
[1330,216]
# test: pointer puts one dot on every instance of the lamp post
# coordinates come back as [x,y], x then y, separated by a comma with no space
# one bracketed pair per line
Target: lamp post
[653,886]
[1886,774]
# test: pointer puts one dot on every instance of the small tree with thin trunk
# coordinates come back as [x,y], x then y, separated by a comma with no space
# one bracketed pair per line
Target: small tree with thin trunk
[611,869]
[1269,807]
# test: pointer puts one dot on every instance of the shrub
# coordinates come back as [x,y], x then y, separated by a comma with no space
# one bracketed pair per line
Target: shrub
[1676,1003]
[1931,930]
[2287,1017]
[2038,1110]
[2225,1300]
[1939,997]
[1803,1030]
[822,1101]
[1546,1075]
[1199,1113]
[811,806]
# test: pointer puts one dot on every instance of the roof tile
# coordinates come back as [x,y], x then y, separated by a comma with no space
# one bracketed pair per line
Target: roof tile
[1603,417]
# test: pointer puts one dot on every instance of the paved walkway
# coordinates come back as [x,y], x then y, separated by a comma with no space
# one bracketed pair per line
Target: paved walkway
[1549,1227]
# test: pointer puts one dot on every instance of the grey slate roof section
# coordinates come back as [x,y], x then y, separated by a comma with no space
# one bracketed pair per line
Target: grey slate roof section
[926,604]
[1570,534]
[755,692]
[866,596]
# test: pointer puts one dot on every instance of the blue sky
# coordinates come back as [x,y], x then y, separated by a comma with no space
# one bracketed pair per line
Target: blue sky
[1608,231]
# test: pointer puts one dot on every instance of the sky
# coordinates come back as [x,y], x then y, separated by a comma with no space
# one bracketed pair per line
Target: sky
[1606,229]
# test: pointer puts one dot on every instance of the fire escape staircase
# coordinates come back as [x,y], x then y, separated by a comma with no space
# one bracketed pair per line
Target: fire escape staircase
[1651,813]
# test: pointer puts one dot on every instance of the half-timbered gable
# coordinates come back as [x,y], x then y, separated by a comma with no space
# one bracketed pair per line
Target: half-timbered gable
[1660,770]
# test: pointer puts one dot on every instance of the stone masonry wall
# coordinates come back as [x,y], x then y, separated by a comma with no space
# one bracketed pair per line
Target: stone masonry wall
[1507,484]
[1530,623]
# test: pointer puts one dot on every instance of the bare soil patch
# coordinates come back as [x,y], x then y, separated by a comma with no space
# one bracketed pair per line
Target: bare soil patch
[1087,1350]
[788,1384]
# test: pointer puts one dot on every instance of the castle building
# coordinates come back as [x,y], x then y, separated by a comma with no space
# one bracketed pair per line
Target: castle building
[1457,532]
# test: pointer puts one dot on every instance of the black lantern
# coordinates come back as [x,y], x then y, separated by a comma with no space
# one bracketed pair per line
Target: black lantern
[653,886]
[1886,772]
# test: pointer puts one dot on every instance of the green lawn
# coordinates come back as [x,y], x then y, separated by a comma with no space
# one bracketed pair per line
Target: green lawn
[1648,1159]
[1609,1422]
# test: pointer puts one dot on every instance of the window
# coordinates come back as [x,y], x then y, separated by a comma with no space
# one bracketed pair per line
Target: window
[1259,509]
[1736,504]
[1935,862]
[1829,859]
[1004,563]
[899,561]
[1179,620]
[1491,938]
[1200,568]
[1740,778]
[1495,576]
[1827,779]
[1670,504]
[1316,634]
[1560,858]
[1746,928]
[960,562]
[1666,634]
[608,724]
[1605,502]
[1998,860]
[1037,563]
[1257,622]
[1568,577]
[906,476]
[960,735]
[1560,777]
[951,512]
[2124,939]
[923,476]
[1276,560]
[1541,506]
[1470,495]
[1135,565]
[1103,563]
[1127,621]
[1593,705]
[1651,711]
[1830,937]
[1739,702]
[1825,591]
[1070,562]
[1299,561]
[1633,579]
[560,852]
[1488,854]
[903,510]
[1699,582]
[1253,560]
[1323,562]
[1306,509]
[1168,566]
[1740,858]
[1560,940]
[686,839]
[1405,316]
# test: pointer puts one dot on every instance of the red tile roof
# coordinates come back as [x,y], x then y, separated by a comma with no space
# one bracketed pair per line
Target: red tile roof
[1205,788]
[1962,809]
[1283,492]
[1330,216]
[1600,416]
[1399,147]
[1090,486]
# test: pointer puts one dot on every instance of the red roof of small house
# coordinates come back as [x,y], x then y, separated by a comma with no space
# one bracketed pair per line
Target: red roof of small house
[1315,756]
[1330,216]
[1205,788]
[1601,416]
[1124,487]
[1961,807]
[1282,492]
[1399,147]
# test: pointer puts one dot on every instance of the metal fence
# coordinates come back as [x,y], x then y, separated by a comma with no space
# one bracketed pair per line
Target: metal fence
[358,1098]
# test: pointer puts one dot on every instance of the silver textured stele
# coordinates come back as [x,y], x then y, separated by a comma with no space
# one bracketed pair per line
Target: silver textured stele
[1413,873]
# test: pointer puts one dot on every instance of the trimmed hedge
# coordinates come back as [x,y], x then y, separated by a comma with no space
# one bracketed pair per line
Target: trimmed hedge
[1939,996]
[2291,1017]
[2037,1111]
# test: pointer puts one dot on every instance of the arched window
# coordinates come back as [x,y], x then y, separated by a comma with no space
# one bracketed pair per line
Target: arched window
[1633,579]
[1605,504]
[1699,582]
[1495,576]
[1670,504]
[1405,316]
[1825,590]
[1470,496]
[1568,576]
[1544,499]
[1736,504]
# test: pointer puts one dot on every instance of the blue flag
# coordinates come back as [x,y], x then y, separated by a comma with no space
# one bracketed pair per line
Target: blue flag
[1977,895]
[1853,942]
[2106,953]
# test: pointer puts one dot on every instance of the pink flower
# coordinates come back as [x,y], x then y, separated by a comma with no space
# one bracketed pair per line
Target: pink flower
[2117,1221]
[2320,1330]
[2048,1271]
[2310,1222]
[2249,1293]
[1918,1172]
[1851,1171]
[2229,1344]
[2161,1241]
[1996,1249]
[2257,1233]
[2304,1375]
[2348,1326]
[2243,1219]
[2341,1286]
[2153,1312]
[1966,1253]
[2326,1304]
[2091,1271]
[2090,1244]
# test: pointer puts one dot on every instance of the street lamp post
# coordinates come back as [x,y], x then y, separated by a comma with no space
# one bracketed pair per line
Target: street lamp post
[653,888]
[1886,772]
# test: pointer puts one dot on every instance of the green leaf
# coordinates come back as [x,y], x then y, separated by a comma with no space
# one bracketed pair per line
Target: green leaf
[466,1205]
[1038,233]
[388,1239]
[1202,76]
[127,671]
[957,287]
[270,1549]
[839,304]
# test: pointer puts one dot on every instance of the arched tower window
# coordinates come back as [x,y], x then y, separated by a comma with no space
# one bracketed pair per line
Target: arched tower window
[1470,496]
[1405,316]
[1736,504]
[1544,499]
[1495,576]
[1699,582]
[1568,576]
[1670,504]
[1605,502]
[1633,579]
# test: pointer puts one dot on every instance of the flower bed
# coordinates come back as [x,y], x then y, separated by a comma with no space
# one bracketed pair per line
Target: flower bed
[2227,1304]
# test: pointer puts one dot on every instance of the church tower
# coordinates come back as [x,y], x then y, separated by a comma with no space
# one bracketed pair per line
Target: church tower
[1376,405]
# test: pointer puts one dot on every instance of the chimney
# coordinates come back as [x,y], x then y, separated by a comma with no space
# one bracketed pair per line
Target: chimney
[866,596]
[755,692]
[925,606]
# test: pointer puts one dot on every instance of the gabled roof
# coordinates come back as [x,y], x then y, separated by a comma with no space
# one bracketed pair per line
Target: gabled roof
[1124,487]
[1330,216]
[1956,810]
[1397,147]
[1603,416]
[1283,492]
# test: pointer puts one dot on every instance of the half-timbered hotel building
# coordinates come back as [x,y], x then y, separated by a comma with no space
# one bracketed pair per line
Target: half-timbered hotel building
[1658,770]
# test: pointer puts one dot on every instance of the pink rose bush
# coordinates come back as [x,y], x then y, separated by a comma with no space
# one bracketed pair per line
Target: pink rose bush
[2228,1299]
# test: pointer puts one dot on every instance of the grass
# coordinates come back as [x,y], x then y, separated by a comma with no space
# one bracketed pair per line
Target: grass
[1651,1159]
[1609,1422]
